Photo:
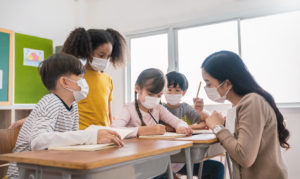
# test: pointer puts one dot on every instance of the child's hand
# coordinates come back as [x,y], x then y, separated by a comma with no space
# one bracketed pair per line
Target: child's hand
[157,129]
[169,128]
[109,136]
[198,104]
[201,125]
[215,119]
[184,130]
[17,123]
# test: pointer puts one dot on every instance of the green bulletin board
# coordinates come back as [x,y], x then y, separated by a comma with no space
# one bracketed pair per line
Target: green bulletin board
[29,88]
[4,64]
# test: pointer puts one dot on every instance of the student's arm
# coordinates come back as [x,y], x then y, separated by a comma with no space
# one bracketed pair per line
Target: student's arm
[178,124]
[251,122]
[43,134]
[195,118]
[45,140]
[122,121]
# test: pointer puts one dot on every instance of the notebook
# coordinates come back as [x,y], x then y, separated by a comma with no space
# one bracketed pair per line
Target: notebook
[84,147]
[166,135]
[200,137]
[202,132]
[123,132]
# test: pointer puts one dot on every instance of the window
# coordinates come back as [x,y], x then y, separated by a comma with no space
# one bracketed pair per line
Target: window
[268,45]
[270,49]
[148,52]
[195,44]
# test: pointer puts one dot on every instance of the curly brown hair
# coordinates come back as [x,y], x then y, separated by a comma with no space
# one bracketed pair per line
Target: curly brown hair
[81,43]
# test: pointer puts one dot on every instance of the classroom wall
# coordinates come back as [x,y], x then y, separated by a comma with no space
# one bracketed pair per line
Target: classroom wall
[52,19]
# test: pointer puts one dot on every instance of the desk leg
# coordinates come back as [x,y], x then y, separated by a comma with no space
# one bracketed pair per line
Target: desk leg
[66,176]
[229,165]
[170,170]
[21,173]
[188,163]
[200,170]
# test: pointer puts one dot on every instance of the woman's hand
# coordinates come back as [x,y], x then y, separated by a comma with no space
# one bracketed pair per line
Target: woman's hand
[184,130]
[215,119]
[108,136]
[17,123]
[157,129]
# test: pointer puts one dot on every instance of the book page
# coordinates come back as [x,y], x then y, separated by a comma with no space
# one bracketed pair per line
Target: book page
[84,147]
[202,131]
[166,135]
[123,132]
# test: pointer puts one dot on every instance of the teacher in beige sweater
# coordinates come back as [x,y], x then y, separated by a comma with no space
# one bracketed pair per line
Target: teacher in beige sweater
[259,131]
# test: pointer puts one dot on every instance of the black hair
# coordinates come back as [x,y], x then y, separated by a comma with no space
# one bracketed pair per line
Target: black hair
[175,78]
[58,65]
[153,80]
[81,43]
[226,65]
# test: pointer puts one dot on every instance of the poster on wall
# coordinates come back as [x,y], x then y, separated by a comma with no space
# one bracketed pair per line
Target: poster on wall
[32,57]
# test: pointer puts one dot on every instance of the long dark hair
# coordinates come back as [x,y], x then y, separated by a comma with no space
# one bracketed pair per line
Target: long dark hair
[154,81]
[226,65]
[81,43]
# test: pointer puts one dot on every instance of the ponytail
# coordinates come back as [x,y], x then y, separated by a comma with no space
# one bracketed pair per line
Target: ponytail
[120,51]
[78,44]
[138,109]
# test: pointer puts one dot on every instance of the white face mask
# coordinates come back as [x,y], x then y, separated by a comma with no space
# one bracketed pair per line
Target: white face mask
[213,94]
[150,102]
[173,99]
[99,64]
[82,94]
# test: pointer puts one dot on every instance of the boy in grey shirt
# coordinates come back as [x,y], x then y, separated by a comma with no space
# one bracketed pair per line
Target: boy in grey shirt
[195,117]
[177,87]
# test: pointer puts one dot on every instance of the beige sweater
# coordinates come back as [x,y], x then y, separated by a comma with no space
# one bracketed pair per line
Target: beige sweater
[255,145]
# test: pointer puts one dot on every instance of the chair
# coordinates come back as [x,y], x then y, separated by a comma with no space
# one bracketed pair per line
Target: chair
[8,138]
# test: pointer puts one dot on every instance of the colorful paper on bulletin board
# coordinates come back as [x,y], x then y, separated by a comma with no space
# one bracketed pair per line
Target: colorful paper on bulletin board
[32,57]
[4,65]
[29,88]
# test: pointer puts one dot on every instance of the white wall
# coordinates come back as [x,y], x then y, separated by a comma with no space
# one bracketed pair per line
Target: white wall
[134,15]
[53,19]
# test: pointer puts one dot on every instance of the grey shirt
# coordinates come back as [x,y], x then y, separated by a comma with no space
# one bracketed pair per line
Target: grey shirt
[185,112]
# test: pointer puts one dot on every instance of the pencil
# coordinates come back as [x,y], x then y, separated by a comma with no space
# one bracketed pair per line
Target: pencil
[198,89]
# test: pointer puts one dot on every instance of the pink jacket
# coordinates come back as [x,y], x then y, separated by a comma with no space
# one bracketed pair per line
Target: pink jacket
[130,118]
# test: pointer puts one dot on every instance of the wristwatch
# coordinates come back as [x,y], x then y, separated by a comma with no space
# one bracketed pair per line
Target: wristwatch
[217,128]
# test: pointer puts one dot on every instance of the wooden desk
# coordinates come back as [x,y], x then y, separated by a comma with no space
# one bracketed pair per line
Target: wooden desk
[137,159]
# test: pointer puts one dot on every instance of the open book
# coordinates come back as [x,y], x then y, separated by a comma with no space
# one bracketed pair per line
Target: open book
[202,132]
[84,147]
[166,135]
[122,132]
